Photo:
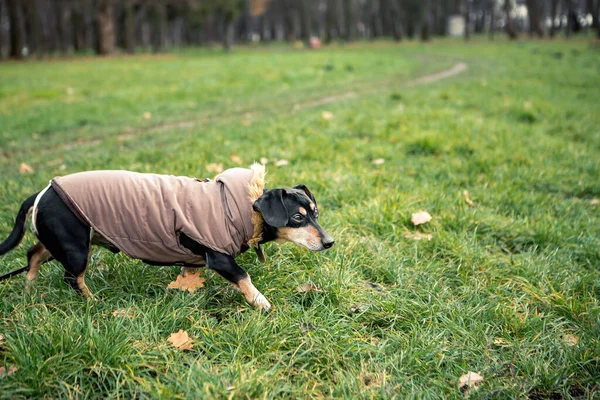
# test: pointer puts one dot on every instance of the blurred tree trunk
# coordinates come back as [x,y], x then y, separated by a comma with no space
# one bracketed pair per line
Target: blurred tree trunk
[228,32]
[510,30]
[480,10]
[467,20]
[61,33]
[17,29]
[591,9]
[594,10]
[129,27]
[306,16]
[158,21]
[395,16]
[1,36]
[425,20]
[34,25]
[492,28]
[553,9]
[340,19]
[571,17]
[104,27]
[597,17]
[375,19]
[350,18]
[535,14]
[78,28]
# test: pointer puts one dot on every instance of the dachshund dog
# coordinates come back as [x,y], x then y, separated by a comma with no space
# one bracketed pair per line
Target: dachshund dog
[165,220]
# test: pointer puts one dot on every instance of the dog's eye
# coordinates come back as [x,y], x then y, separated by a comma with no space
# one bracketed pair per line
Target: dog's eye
[297,218]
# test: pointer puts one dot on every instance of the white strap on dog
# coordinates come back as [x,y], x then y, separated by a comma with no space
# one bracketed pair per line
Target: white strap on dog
[35,205]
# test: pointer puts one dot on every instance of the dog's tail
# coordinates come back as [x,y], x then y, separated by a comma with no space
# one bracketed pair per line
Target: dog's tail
[18,231]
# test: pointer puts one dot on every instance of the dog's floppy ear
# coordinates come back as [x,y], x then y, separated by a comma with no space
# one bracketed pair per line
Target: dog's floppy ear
[271,206]
[308,193]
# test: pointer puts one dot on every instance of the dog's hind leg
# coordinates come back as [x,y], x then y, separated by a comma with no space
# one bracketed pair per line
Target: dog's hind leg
[36,256]
[66,238]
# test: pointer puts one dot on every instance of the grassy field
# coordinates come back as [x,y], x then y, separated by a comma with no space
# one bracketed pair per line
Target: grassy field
[508,288]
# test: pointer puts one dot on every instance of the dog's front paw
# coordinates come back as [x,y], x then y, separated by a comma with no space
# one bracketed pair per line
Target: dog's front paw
[262,303]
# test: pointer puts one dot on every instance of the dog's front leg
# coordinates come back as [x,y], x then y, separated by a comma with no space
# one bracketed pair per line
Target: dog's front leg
[226,266]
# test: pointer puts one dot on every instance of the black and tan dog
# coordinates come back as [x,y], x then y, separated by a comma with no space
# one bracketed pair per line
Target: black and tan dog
[165,220]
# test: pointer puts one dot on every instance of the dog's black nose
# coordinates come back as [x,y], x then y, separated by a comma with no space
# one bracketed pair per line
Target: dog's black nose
[328,243]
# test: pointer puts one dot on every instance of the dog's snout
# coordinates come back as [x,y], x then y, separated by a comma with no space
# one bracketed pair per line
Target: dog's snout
[328,242]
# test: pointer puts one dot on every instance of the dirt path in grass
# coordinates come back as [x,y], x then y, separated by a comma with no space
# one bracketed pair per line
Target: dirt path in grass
[423,80]
[361,89]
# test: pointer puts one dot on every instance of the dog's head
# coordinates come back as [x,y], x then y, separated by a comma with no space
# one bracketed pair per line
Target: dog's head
[293,215]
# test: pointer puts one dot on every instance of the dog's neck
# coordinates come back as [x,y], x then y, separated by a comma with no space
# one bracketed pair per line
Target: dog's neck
[269,233]
[256,189]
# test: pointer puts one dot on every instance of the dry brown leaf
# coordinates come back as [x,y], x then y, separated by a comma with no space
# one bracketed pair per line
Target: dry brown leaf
[181,340]
[8,371]
[147,115]
[418,236]
[218,168]
[500,342]
[594,202]
[236,159]
[264,160]
[246,122]
[326,115]
[378,161]
[25,169]
[189,282]
[420,218]
[123,312]
[308,287]
[281,163]
[467,199]
[470,379]
[570,340]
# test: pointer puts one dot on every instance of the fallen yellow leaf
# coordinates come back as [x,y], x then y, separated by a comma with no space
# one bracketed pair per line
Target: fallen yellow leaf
[25,169]
[570,340]
[218,168]
[122,312]
[378,161]
[470,379]
[236,159]
[147,115]
[500,342]
[181,340]
[467,199]
[7,371]
[327,115]
[264,160]
[308,287]
[420,218]
[281,163]
[189,282]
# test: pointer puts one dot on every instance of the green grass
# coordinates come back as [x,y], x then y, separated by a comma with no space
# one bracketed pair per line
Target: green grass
[520,130]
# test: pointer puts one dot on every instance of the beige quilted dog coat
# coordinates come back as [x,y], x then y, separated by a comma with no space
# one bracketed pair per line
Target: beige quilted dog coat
[144,214]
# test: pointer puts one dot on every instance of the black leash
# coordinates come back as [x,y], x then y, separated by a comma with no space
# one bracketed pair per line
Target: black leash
[13,273]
